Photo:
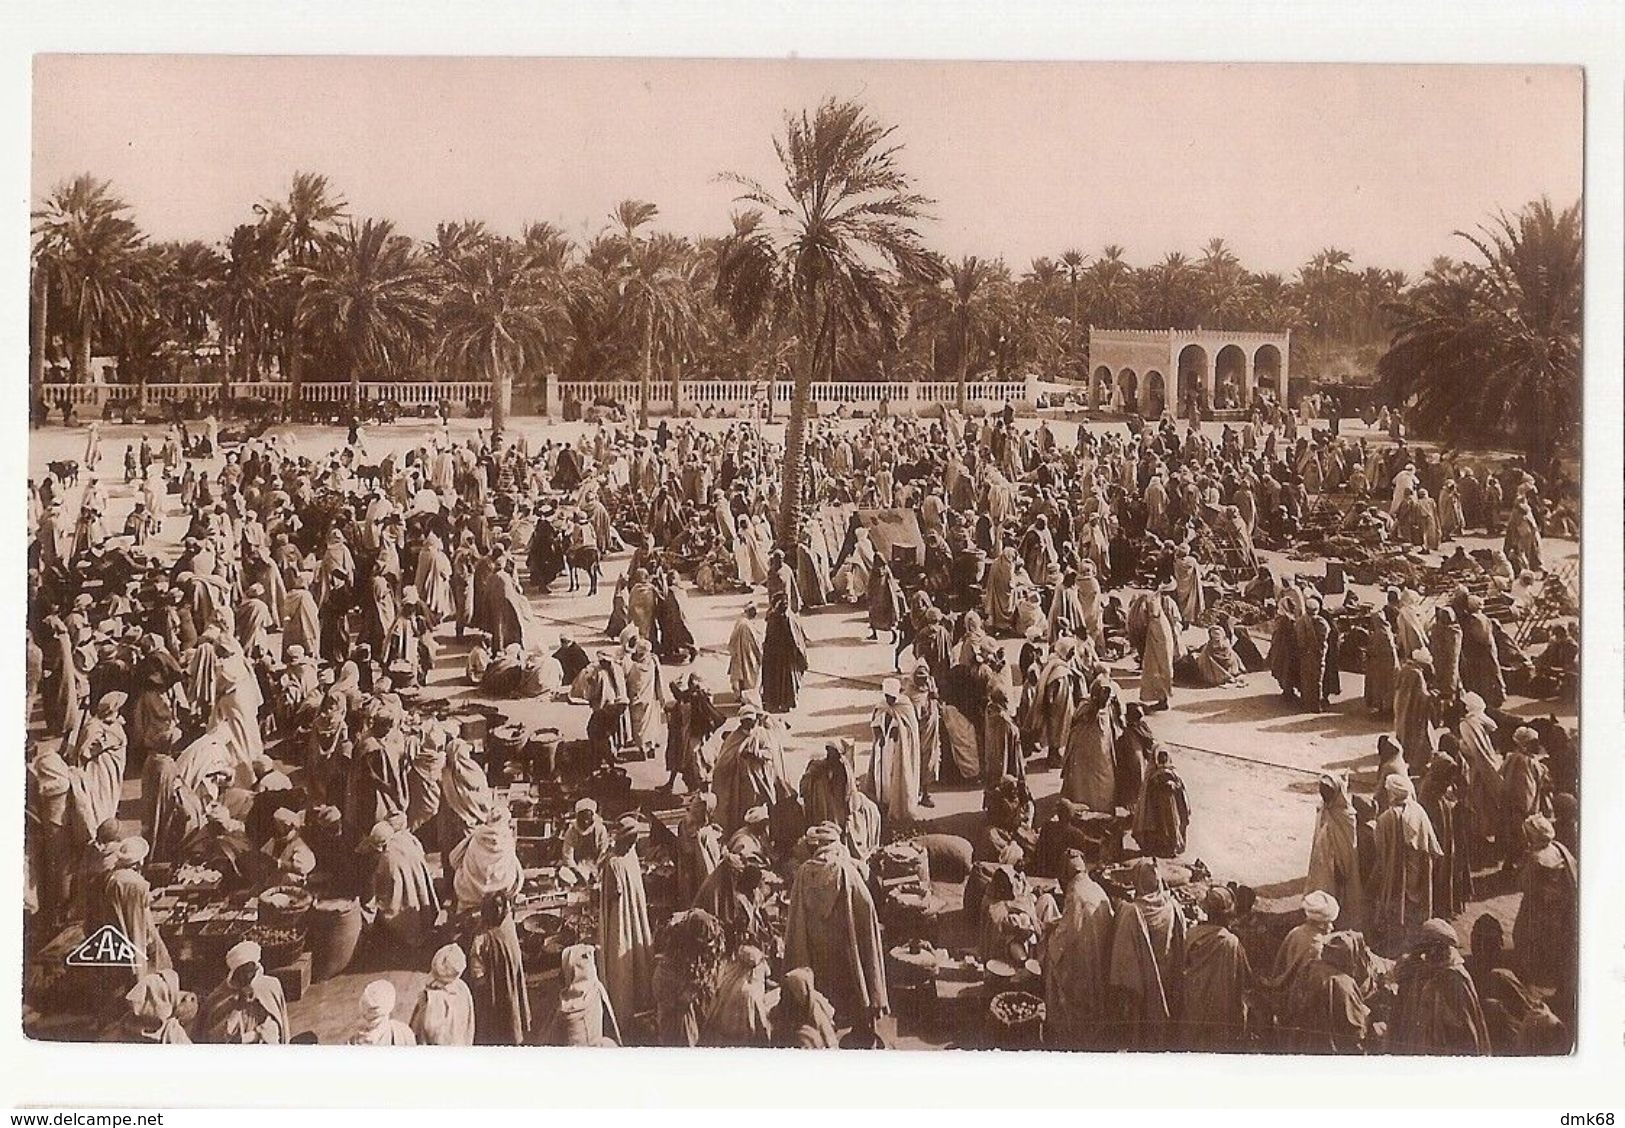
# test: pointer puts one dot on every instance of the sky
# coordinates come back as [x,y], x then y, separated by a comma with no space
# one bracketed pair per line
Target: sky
[1022,159]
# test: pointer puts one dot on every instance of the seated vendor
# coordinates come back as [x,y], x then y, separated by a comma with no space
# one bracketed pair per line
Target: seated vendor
[222,844]
[1008,835]
[1011,920]
[1061,834]
[1263,589]
[295,861]
[505,674]
[478,662]
[1558,666]
[1217,662]
[586,839]
[1458,561]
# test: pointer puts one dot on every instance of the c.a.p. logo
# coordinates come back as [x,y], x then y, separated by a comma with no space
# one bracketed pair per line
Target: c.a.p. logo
[106,947]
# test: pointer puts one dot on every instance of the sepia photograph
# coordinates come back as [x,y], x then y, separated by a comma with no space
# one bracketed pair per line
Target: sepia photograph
[725,553]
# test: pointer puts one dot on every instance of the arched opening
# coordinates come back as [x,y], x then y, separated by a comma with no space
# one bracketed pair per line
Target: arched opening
[1101,392]
[1229,378]
[1156,396]
[1192,378]
[1128,385]
[1267,371]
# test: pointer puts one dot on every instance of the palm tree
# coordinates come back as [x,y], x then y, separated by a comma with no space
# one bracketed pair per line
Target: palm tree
[1048,327]
[457,241]
[1224,285]
[755,297]
[500,313]
[1271,301]
[1073,262]
[244,301]
[547,246]
[305,225]
[179,281]
[594,345]
[1440,267]
[185,279]
[1325,281]
[1112,283]
[842,233]
[1168,292]
[655,298]
[87,251]
[1491,349]
[969,301]
[370,291]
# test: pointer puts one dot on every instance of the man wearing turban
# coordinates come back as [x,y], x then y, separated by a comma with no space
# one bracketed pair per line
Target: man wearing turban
[249,1007]
[832,927]
[444,1015]
[1217,978]
[1407,850]
[1437,1011]
[377,1024]
[1334,862]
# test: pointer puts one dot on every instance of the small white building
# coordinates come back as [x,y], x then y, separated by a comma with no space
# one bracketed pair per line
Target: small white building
[1157,370]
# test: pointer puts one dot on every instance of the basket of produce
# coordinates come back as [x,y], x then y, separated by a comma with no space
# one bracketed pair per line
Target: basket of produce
[280,945]
[1017,1019]
[504,743]
[285,906]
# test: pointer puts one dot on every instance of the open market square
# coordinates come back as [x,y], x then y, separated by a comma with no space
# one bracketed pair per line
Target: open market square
[800,633]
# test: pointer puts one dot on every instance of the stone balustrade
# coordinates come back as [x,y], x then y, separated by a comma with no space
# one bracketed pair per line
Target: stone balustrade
[694,393]
[734,393]
[402,391]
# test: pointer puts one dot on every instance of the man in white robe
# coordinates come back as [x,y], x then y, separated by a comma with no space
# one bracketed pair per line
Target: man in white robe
[894,770]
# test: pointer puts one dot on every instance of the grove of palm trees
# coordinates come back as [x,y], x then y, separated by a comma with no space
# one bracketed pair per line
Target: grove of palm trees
[833,277]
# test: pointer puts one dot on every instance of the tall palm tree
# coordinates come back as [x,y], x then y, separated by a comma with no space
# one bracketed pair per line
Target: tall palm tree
[1224,285]
[1326,282]
[454,245]
[370,291]
[500,313]
[1491,349]
[178,282]
[655,298]
[1048,325]
[1272,301]
[1073,262]
[306,223]
[1111,281]
[749,287]
[843,231]
[595,345]
[244,298]
[1168,292]
[186,278]
[969,301]
[87,250]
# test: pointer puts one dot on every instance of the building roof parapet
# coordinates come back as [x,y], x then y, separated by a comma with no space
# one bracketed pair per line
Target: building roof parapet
[1258,336]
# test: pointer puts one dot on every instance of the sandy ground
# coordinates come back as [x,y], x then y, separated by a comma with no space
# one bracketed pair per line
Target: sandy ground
[1248,759]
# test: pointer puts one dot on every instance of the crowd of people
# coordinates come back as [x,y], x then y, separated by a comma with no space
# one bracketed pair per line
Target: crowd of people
[262,645]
